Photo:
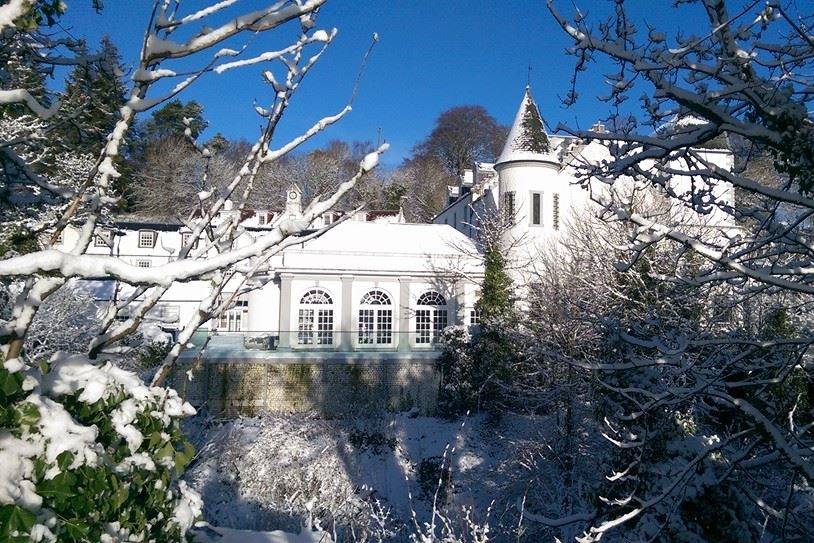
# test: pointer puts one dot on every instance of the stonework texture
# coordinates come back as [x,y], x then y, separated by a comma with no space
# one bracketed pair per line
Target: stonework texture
[328,388]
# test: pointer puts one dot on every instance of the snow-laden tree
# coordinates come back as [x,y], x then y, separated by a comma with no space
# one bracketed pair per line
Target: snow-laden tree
[89,452]
[713,423]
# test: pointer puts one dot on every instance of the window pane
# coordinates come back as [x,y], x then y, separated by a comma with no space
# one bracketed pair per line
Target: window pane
[365,326]
[439,323]
[305,327]
[535,208]
[422,326]
[384,325]
[556,216]
[325,326]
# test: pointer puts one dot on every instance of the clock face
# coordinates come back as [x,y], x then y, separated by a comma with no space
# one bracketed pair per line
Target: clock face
[292,195]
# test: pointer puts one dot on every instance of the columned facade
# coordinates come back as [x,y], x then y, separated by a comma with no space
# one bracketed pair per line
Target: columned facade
[358,313]
[285,310]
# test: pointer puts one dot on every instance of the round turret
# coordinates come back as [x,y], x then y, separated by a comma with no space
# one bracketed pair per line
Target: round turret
[531,187]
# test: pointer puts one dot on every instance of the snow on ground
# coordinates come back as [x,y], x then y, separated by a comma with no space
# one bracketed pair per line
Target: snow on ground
[289,472]
[228,535]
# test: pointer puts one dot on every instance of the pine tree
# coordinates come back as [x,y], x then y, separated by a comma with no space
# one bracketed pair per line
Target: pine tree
[169,121]
[93,94]
[19,71]
[495,301]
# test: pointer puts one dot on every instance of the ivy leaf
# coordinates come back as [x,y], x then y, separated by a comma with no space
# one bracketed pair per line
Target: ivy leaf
[28,414]
[10,383]
[58,488]
[14,518]
[64,460]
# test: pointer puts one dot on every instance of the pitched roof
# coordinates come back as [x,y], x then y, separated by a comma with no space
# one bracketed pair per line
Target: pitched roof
[416,239]
[527,139]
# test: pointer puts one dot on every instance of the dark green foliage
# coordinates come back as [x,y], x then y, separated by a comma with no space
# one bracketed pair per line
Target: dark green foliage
[496,292]
[169,121]
[717,514]
[533,137]
[19,71]
[86,498]
[375,441]
[18,240]
[94,92]
[478,369]
[392,195]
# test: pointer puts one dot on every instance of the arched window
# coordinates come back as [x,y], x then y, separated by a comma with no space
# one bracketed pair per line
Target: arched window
[315,324]
[430,317]
[375,319]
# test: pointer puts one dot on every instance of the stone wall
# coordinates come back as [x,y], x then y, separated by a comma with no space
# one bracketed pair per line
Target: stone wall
[331,388]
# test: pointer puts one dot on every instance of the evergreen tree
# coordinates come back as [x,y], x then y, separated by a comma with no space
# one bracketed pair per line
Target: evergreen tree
[93,94]
[19,71]
[495,301]
[169,121]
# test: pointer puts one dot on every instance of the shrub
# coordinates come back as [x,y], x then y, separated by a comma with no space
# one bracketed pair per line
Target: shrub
[89,453]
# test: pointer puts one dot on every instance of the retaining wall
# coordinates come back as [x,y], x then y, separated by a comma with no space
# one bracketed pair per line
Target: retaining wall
[332,388]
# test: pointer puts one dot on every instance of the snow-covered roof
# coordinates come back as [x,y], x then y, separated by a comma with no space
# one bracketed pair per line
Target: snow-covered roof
[409,239]
[528,140]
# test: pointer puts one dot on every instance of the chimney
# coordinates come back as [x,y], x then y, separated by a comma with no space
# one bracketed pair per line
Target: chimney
[452,193]
[599,128]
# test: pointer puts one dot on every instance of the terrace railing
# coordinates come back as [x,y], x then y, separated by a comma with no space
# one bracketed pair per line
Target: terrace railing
[322,340]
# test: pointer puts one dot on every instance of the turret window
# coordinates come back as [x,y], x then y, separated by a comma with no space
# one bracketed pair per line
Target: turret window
[536,208]
[508,202]
[555,218]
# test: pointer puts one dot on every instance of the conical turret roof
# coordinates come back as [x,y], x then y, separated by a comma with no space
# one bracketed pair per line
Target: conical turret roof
[527,139]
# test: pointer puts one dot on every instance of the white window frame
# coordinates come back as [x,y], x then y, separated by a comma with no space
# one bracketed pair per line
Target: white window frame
[375,319]
[233,319]
[315,319]
[153,239]
[474,317]
[431,317]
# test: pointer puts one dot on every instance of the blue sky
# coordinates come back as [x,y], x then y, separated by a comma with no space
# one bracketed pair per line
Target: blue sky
[432,55]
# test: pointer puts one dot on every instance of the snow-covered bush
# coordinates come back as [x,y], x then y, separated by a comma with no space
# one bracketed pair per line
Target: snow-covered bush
[90,453]
[66,321]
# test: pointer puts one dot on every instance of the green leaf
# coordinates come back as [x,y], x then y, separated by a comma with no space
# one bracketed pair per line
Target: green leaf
[14,518]
[28,414]
[58,488]
[64,460]
[10,383]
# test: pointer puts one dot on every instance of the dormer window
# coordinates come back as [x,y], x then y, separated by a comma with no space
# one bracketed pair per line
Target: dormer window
[261,218]
[147,238]
[102,239]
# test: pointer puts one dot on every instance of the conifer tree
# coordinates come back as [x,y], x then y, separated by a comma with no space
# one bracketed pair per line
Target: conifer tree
[92,96]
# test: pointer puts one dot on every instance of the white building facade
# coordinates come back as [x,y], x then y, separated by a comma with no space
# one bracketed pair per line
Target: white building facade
[534,183]
[375,282]
[371,283]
